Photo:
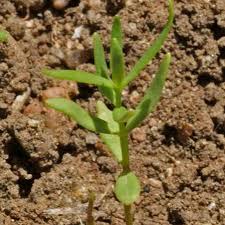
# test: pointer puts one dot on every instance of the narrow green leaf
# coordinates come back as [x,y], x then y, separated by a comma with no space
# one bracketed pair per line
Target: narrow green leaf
[112,141]
[79,76]
[3,36]
[105,114]
[117,63]
[117,31]
[152,50]
[101,67]
[139,115]
[78,114]
[152,95]
[127,188]
[99,57]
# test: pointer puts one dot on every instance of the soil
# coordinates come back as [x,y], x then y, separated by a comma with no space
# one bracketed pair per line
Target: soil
[49,164]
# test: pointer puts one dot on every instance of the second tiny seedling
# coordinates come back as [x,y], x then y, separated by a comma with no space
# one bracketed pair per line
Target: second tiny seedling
[114,126]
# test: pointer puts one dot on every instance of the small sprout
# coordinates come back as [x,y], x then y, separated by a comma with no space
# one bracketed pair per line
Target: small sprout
[91,200]
[114,126]
[3,36]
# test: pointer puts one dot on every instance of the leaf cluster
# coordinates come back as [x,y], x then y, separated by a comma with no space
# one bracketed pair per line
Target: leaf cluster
[111,81]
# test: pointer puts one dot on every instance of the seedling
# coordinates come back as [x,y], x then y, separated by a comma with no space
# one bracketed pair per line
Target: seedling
[114,126]
[3,36]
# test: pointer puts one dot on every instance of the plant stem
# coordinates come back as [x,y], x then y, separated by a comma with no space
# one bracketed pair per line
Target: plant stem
[126,168]
[123,134]
[124,147]
[128,214]
[118,97]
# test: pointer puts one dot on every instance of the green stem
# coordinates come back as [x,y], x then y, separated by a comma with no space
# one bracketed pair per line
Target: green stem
[128,215]
[125,149]
[126,168]
[118,97]
[123,134]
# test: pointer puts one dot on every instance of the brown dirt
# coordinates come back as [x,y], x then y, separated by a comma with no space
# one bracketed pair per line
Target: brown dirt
[48,163]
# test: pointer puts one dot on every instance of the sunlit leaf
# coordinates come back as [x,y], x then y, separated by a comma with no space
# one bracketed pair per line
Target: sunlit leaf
[117,62]
[101,67]
[112,141]
[99,57]
[78,76]
[127,188]
[117,31]
[105,114]
[82,117]
[152,50]
[152,95]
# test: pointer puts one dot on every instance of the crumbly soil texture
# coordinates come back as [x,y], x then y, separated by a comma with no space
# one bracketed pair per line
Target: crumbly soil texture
[49,165]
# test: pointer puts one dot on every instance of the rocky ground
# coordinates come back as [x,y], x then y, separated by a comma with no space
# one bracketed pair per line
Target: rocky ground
[49,164]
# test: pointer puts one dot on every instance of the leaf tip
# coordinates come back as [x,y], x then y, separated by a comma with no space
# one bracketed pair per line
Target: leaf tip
[168,56]
[116,18]
[45,71]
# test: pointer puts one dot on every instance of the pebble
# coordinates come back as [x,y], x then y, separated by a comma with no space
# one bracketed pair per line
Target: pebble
[155,183]
[54,92]
[91,139]
[77,32]
[134,97]
[60,4]
[139,134]
[211,206]
[20,101]
[221,42]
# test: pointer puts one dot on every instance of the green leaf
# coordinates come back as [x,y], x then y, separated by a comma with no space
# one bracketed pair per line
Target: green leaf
[152,50]
[117,62]
[99,57]
[101,67]
[152,95]
[79,76]
[3,36]
[78,114]
[117,31]
[112,141]
[105,114]
[127,188]
[121,114]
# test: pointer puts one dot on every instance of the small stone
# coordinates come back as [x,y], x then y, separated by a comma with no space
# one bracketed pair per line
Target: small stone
[139,134]
[211,206]
[20,101]
[60,4]
[155,183]
[54,92]
[169,172]
[77,32]
[91,139]
[134,97]
[221,42]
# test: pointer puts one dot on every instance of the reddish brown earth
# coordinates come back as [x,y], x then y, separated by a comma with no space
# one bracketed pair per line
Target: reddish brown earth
[48,163]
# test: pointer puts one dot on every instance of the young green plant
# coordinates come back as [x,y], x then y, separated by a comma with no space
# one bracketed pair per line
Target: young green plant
[3,36]
[114,126]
